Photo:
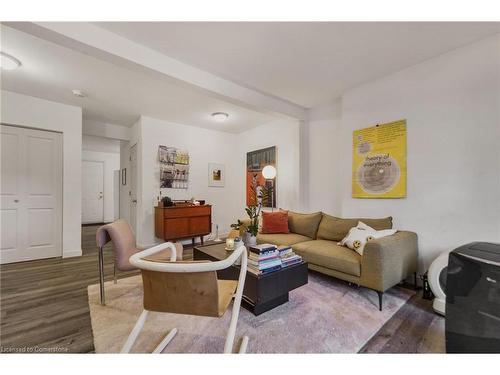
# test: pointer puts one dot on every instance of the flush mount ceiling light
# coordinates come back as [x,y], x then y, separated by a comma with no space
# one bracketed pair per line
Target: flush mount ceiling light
[79,93]
[9,62]
[220,116]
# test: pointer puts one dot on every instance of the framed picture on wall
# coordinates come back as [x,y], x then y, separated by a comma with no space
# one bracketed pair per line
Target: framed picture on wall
[216,175]
[124,176]
[257,183]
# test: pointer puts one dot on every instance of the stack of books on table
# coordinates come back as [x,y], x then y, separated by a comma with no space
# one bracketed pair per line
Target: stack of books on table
[288,257]
[263,259]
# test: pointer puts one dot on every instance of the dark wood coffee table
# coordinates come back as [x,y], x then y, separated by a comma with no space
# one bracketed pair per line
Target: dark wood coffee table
[262,292]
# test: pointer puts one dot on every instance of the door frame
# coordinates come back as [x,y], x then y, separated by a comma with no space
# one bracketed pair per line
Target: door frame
[103,197]
[133,182]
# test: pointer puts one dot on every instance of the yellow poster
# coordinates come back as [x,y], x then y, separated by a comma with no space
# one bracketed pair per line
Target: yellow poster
[379,161]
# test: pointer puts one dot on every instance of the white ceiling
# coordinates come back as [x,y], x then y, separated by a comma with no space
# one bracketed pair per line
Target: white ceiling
[115,94]
[306,63]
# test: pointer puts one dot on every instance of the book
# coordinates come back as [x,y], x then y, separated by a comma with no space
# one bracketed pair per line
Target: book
[264,265]
[291,262]
[286,252]
[262,248]
[264,256]
[263,272]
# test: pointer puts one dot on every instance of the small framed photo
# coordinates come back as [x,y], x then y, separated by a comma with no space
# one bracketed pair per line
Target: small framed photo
[216,175]
[124,176]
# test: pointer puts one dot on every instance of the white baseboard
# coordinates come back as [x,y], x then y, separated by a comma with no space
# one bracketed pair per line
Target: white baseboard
[72,253]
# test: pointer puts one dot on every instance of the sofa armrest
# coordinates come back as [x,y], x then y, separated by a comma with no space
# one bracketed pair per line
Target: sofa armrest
[389,260]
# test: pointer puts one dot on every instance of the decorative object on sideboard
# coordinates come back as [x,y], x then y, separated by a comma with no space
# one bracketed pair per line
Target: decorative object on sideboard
[167,202]
[124,176]
[216,175]
[217,238]
[174,168]
[256,182]
[379,161]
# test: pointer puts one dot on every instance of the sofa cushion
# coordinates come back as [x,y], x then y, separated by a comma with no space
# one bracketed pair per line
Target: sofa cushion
[304,224]
[275,222]
[335,229]
[330,255]
[281,239]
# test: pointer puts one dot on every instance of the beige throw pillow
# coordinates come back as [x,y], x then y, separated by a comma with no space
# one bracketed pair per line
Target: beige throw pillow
[358,236]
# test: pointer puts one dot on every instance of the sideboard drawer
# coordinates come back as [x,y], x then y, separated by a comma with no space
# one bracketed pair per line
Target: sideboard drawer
[176,228]
[187,212]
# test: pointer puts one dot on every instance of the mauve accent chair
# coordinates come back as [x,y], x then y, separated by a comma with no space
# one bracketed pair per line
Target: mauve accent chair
[124,246]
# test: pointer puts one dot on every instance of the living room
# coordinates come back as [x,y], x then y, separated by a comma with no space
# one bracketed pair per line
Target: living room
[297,187]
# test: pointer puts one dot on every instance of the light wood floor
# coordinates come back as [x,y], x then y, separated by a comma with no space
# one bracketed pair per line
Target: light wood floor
[44,306]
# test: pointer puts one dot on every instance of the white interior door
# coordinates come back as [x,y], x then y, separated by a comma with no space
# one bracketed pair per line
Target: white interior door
[92,192]
[133,187]
[31,194]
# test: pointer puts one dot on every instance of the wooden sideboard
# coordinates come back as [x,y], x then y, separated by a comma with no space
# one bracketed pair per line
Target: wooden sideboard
[178,222]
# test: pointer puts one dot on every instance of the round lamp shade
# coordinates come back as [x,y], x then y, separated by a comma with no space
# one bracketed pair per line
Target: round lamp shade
[269,172]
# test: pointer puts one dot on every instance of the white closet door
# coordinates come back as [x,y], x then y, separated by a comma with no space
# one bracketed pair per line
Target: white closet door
[92,192]
[31,194]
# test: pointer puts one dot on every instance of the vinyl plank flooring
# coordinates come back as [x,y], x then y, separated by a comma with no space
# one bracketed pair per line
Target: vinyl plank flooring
[415,328]
[44,304]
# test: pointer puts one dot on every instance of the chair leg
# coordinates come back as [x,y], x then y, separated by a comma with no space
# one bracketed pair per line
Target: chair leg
[135,332]
[114,272]
[380,295]
[243,345]
[228,346]
[101,275]
[163,344]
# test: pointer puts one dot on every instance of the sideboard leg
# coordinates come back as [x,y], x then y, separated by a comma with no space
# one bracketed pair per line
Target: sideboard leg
[201,238]
[192,241]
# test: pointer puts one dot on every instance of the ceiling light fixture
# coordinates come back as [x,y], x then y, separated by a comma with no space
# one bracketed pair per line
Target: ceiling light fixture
[220,116]
[79,93]
[9,62]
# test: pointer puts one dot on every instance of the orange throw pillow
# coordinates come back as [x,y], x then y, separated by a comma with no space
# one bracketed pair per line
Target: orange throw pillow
[274,222]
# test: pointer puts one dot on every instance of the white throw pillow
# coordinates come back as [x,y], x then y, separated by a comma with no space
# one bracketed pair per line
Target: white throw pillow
[359,235]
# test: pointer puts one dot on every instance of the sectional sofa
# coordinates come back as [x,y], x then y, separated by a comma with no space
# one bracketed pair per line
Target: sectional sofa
[385,262]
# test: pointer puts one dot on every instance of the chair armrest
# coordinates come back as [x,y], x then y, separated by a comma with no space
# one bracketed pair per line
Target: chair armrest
[389,260]
[154,250]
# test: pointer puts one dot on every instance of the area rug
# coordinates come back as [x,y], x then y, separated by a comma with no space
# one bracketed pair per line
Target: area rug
[324,316]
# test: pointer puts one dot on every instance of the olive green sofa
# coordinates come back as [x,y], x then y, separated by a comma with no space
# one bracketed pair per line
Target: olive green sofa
[385,262]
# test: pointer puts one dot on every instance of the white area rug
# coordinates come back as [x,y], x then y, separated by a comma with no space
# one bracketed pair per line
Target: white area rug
[324,316]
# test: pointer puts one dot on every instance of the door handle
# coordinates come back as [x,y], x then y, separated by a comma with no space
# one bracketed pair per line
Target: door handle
[16,200]
[134,200]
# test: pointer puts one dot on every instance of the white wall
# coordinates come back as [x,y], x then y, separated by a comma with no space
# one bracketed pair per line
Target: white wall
[324,158]
[207,146]
[204,146]
[106,130]
[42,114]
[451,104]
[284,134]
[100,144]
[106,151]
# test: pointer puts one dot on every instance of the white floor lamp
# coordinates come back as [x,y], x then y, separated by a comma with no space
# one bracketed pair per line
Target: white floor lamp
[269,173]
